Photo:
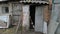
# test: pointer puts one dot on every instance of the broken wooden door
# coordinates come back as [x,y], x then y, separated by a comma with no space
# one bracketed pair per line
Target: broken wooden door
[39,19]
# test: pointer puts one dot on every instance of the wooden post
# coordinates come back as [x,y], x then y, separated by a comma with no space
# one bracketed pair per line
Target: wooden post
[54,20]
[50,5]
[46,13]
[46,18]
[20,20]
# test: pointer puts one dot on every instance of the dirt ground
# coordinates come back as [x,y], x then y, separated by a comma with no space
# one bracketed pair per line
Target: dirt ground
[12,30]
[30,33]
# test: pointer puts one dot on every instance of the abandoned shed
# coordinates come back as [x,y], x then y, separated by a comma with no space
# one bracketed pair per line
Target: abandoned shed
[33,14]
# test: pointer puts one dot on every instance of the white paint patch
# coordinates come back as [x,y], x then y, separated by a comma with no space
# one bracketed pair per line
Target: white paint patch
[5,18]
[45,27]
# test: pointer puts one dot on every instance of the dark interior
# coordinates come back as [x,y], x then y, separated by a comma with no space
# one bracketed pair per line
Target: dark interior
[6,10]
[32,16]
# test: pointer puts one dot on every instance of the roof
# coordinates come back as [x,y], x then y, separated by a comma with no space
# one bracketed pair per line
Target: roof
[40,2]
[3,0]
[44,2]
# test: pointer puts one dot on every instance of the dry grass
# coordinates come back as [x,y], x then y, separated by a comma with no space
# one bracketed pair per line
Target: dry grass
[11,30]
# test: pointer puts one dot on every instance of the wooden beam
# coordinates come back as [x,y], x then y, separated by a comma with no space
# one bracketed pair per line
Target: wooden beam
[50,4]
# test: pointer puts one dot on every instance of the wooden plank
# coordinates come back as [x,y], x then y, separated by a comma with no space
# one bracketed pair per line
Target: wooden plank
[46,18]
[50,5]
[46,13]
[39,19]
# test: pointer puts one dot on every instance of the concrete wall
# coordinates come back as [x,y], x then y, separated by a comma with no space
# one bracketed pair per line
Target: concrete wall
[56,1]
[26,17]
[54,27]
[16,12]
[14,9]
[57,9]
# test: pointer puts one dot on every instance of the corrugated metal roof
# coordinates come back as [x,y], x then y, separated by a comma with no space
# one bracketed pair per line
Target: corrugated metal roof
[44,2]
[3,0]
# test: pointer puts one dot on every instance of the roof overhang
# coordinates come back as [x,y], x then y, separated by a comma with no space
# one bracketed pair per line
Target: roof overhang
[9,0]
[3,0]
[36,2]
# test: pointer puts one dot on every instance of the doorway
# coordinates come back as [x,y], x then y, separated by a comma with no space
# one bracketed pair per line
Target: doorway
[32,16]
[36,18]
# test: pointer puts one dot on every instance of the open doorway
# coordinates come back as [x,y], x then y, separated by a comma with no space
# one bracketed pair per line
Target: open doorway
[32,16]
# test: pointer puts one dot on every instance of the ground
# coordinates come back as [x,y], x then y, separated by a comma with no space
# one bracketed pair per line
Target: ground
[12,30]
[8,30]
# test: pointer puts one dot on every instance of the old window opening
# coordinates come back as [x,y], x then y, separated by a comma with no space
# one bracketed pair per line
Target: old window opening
[5,10]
